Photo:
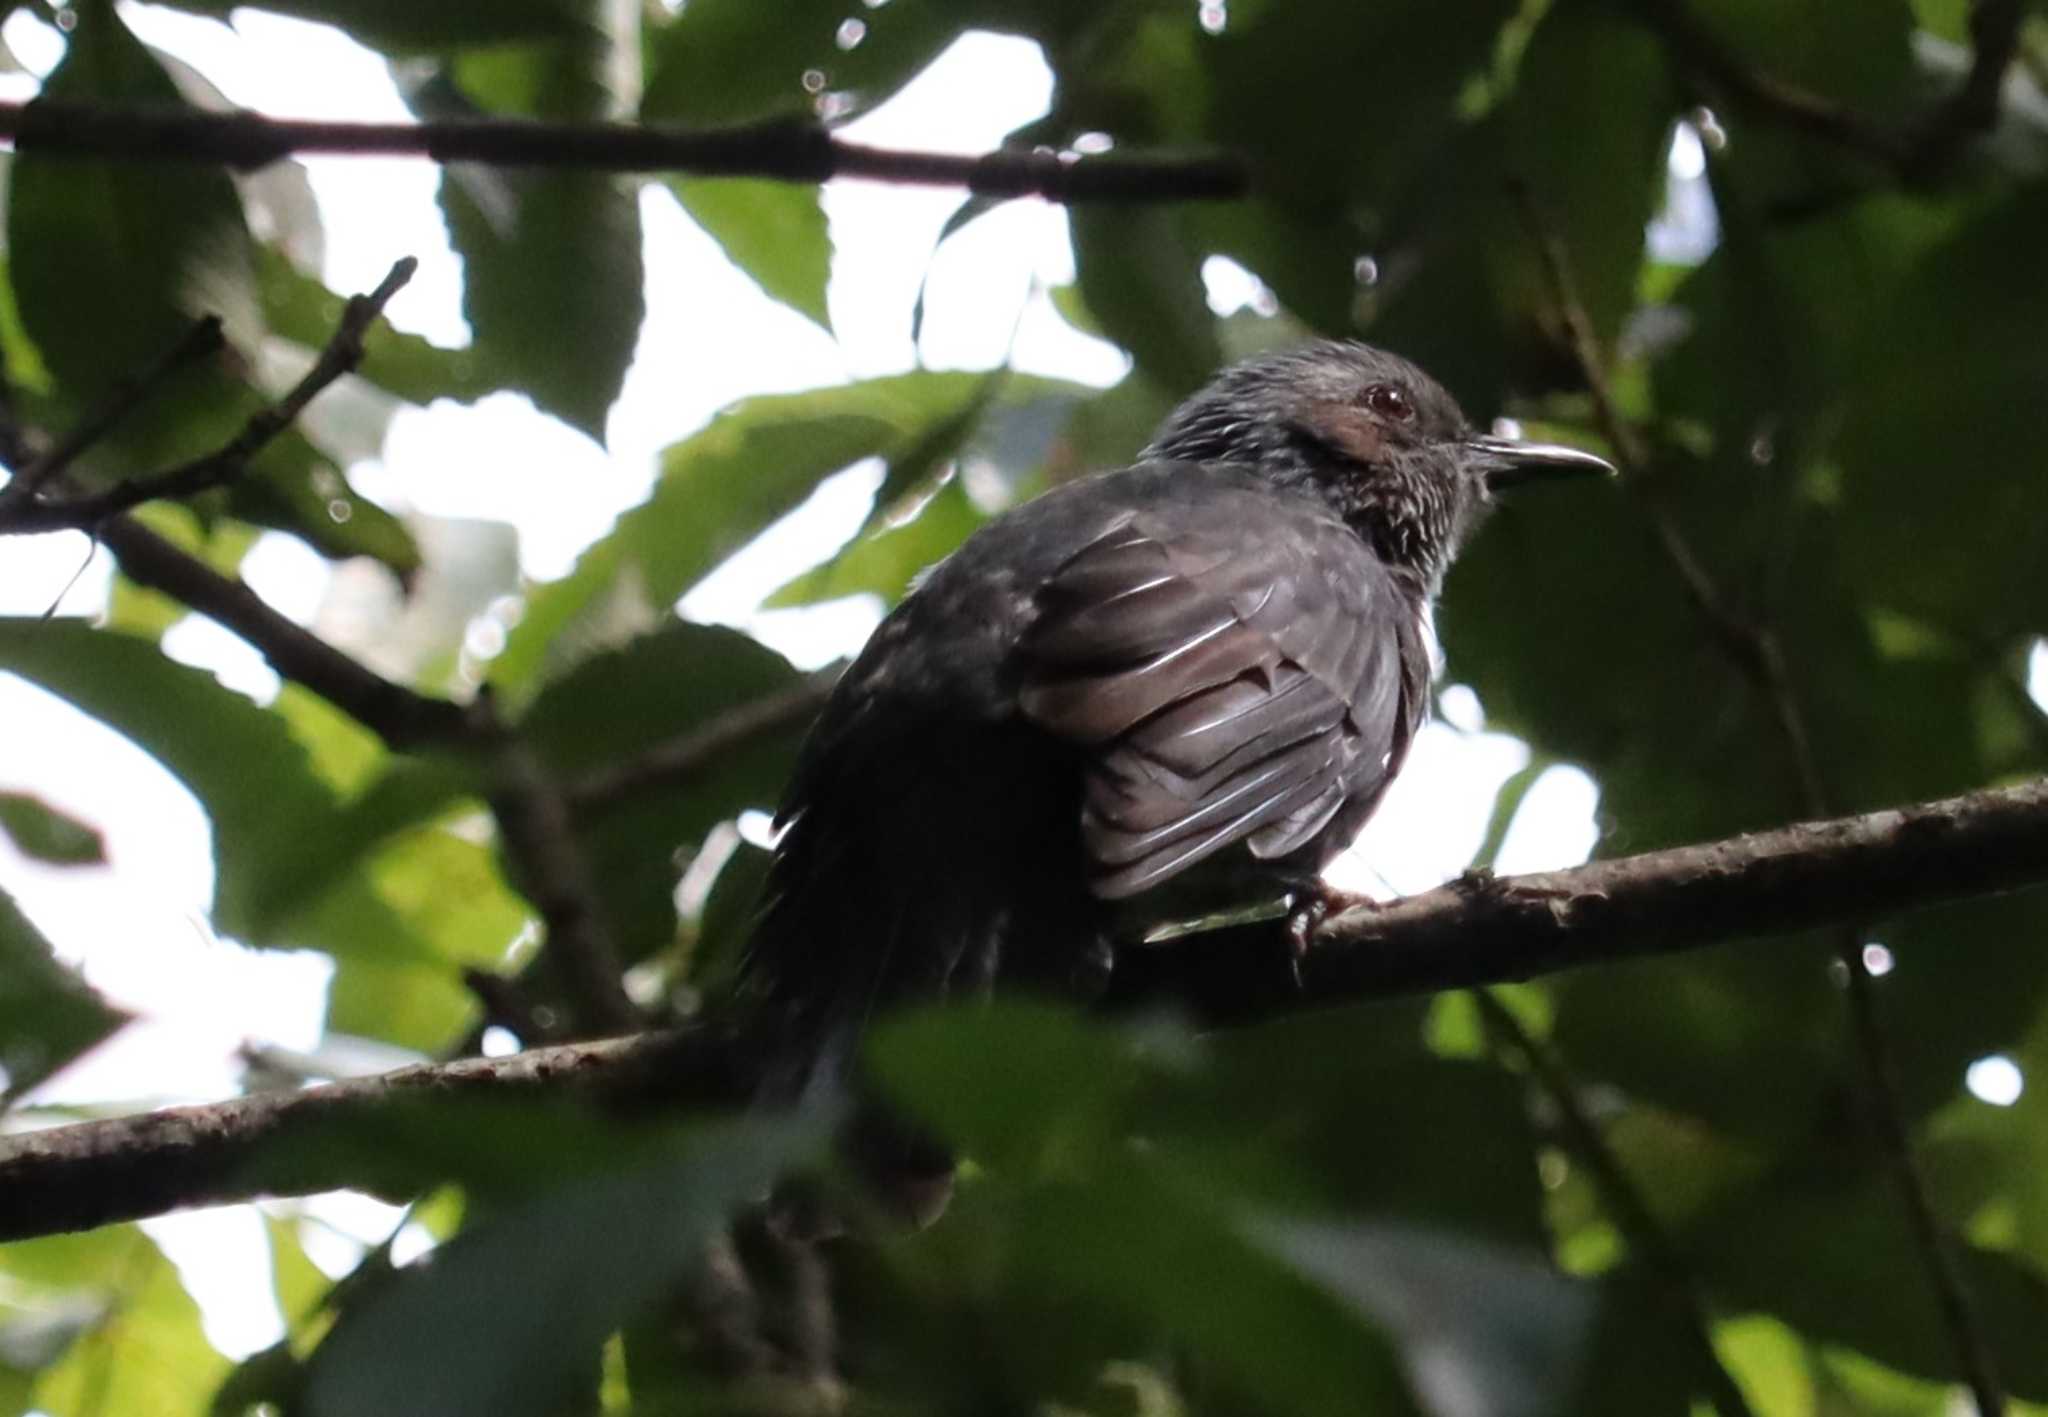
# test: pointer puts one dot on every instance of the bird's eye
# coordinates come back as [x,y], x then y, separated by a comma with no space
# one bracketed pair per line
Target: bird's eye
[1389,403]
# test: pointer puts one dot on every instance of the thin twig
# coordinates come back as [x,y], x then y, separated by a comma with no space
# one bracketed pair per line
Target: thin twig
[1918,154]
[533,819]
[1472,932]
[201,341]
[1624,1203]
[784,150]
[1699,50]
[1973,108]
[1757,654]
[341,355]
[678,761]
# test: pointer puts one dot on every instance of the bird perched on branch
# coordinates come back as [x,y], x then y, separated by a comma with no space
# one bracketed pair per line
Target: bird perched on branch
[1148,692]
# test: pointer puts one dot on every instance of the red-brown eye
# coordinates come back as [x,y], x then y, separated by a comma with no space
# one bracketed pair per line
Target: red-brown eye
[1389,403]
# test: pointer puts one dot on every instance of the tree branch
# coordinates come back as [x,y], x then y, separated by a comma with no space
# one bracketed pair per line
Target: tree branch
[1700,51]
[1919,154]
[1483,929]
[403,718]
[1973,107]
[785,150]
[678,760]
[1478,930]
[96,1173]
[533,818]
[341,355]
[17,498]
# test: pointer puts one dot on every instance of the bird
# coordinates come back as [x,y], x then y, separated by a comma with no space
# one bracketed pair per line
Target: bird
[1140,696]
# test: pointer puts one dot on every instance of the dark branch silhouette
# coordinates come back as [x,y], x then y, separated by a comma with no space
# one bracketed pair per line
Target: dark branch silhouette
[785,149]
[1477,930]
[27,511]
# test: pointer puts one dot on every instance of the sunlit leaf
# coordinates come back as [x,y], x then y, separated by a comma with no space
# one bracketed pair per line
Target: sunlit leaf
[774,231]
[756,461]
[48,1015]
[46,833]
[612,708]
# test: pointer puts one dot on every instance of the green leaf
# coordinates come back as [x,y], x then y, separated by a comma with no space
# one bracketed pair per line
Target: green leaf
[1452,1146]
[145,1351]
[48,1015]
[113,261]
[1026,1088]
[774,231]
[552,280]
[1143,285]
[1586,130]
[1861,1280]
[509,1317]
[266,806]
[1086,1247]
[717,490]
[551,284]
[1366,132]
[402,907]
[614,707]
[1863,62]
[1518,1334]
[402,925]
[300,308]
[1951,436]
[885,563]
[44,833]
[723,61]
[294,487]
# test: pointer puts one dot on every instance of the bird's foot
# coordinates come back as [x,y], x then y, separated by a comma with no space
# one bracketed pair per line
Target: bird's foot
[1308,906]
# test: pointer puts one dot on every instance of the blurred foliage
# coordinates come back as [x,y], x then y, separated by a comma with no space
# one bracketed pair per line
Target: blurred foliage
[1840,376]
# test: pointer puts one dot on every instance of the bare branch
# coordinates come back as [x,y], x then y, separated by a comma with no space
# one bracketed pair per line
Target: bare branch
[95,1173]
[17,497]
[679,760]
[341,355]
[1699,50]
[1918,154]
[1483,929]
[1973,108]
[1476,931]
[785,150]
[533,819]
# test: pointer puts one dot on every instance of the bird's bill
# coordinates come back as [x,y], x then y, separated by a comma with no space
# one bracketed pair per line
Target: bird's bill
[1509,462]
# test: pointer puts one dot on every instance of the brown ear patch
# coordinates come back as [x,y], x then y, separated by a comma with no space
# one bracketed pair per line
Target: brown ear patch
[1351,431]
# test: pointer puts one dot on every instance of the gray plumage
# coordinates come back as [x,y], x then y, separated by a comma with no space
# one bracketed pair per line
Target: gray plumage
[1191,679]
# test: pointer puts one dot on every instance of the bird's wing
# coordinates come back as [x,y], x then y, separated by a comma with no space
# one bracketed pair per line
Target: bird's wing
[1235,675]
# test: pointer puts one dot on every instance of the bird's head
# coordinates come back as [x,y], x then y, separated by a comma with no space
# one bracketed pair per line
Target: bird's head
[1371,434]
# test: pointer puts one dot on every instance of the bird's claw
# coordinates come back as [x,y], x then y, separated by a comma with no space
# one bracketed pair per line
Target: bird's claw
[1307,908]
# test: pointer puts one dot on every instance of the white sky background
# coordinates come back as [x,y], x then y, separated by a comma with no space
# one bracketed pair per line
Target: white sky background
[137,928]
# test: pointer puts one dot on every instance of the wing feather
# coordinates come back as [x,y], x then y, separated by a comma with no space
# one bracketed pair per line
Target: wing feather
[1228,687]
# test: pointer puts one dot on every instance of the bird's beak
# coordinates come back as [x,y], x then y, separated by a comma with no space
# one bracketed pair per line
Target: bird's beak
[1508,462]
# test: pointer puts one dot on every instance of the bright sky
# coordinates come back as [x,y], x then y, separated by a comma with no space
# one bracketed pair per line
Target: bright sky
[137,928]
